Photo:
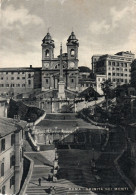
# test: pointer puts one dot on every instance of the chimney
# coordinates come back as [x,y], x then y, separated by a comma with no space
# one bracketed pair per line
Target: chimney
[31,66]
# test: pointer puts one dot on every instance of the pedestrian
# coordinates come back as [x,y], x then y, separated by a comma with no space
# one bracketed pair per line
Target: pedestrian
[39,180]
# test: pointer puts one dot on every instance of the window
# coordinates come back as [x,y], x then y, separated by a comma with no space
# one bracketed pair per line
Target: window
[2,169]
[113,63]
[29,82]
[122,64]
[109,73]
[23,78]
[17,85]
[23,85]
[18,78]
[12,181]
[113,74]
[18,72]
[47,81]
[125,80]
[117,63]
[121,74]
[2,144]
[12,72]
[1,85]
[12,139]
[125,75]
[47,53]
[29,75]
[12,85]
[122,80]
[117,74]
[1,78]
[6,72]
[7,85]
[72,80]
[12,78]
[125,64]
[109,62]
[23,73]
[117,68]
[3,190]
[72,52]
[12,160]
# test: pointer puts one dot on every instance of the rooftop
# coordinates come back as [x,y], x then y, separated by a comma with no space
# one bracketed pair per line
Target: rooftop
[84,69]
[8,125]
[17,69]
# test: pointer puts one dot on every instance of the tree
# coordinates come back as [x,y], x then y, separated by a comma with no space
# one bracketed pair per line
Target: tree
[106,87]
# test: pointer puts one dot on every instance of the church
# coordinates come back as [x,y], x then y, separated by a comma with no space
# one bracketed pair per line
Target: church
[58,77]
[65,63]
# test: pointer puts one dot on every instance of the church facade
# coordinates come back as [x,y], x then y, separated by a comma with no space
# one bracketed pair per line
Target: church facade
[45,81]
[51,65]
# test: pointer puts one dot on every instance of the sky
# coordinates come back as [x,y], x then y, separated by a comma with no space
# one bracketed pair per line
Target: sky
[101,26]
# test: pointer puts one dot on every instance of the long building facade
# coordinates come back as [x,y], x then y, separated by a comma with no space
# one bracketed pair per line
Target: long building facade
[116,67]
[11,155]
[14,81]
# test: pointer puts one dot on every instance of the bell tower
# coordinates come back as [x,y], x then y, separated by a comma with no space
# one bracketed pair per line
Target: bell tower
[47,51]
[72,51]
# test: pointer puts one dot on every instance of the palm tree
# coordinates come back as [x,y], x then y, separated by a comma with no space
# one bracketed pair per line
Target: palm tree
[106,88]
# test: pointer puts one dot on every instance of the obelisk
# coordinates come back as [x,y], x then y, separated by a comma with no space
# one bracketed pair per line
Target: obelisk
[61,92]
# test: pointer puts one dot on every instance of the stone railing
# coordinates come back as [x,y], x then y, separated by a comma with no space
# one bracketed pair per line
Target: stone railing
[39,119]
[97,123]
[34,143]
[28,177]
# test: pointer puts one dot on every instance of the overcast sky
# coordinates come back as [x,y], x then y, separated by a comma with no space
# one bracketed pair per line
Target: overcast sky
[101,26]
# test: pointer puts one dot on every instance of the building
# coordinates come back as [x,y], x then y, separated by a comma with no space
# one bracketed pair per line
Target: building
[85,78]
[3,107]
[11,155]
[100,79]
[16,81]
[133,74]
[116,67]
[51,65]
[95,59]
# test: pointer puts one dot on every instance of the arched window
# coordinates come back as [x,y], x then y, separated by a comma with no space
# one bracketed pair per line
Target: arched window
[72,52]
[47,53]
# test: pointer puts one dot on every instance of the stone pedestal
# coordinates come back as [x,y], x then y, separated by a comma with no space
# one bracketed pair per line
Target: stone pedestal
[61,93]
[55,164]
